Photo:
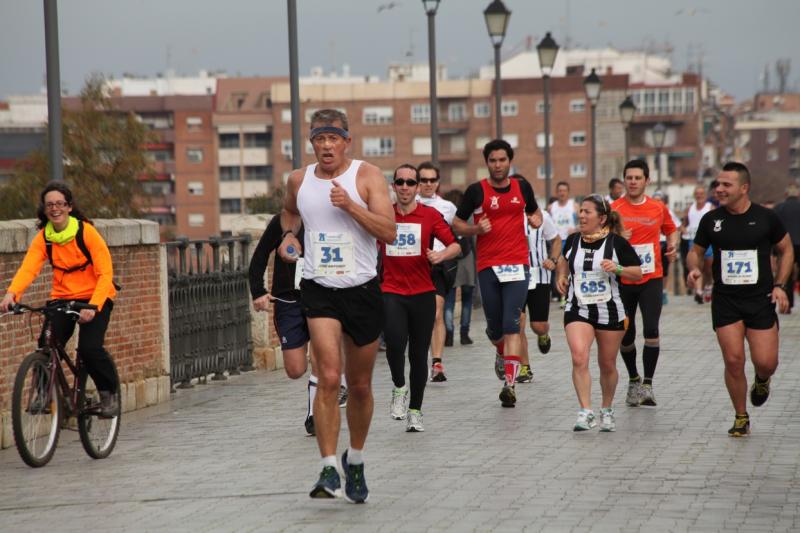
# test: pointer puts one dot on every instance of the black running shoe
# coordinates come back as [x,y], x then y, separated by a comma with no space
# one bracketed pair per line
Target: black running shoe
[310,426]
[465,340]
[544,346]
[759,391]
[328,486]
[741,426]
[448,338]
[507,396]
[698,298]
[355,486]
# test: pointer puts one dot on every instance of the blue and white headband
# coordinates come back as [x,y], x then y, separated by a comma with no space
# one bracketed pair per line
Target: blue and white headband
[329,129]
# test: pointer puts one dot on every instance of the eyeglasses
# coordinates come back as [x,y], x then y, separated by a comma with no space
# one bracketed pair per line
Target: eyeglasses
[400,182]
[56,205]
[428,180]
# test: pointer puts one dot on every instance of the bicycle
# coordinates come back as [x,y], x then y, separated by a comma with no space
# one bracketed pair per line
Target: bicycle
[43,399]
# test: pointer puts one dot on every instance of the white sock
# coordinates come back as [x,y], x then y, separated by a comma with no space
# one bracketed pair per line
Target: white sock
[329,460]
[344,381]
[355,457]
[312,393]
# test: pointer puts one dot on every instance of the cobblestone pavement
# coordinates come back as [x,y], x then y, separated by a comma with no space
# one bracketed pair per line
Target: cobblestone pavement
[233,456]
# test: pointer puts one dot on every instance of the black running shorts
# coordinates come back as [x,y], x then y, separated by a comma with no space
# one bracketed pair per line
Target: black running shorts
[570,317]
[539,303]
[443,276]
[756,313]
[358,309]
[290,323]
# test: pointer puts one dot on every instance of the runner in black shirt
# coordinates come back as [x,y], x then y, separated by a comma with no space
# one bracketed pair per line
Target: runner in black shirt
[745,294]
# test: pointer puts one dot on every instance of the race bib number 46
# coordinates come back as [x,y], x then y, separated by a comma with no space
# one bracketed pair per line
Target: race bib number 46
[593,287]
[506,273]
[646,256]
[333,254]
[407,243]
[739,267]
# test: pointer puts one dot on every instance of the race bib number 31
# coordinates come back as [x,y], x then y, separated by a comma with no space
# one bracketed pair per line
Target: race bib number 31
[593,287]
[407,243]
[739,267]
[506,273]
[646,256]
[333,254]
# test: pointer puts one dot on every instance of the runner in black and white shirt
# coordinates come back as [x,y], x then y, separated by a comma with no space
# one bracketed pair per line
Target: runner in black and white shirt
[589,271]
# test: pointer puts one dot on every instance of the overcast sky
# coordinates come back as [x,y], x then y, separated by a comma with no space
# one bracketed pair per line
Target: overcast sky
[734,38]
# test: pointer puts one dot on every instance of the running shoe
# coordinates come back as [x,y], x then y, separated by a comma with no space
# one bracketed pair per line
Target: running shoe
[607,422]
[355,486]
[465,339]
[707,294]
[342,396]
[109,405]
[562,303]
[310,426]
[698,298]
[525,374]
[397,409]
[741,426]
[585,421]
[414,421]
[664,298]
[544,344]
[437,373]
[508,397]
[448,338]
[634,393]
[329,485]
[500,367]
[646,395]
[759,391]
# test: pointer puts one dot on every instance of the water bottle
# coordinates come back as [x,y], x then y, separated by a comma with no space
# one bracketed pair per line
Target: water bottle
[291,252]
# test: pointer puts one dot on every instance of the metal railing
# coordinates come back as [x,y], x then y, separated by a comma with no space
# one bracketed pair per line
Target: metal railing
[209,309]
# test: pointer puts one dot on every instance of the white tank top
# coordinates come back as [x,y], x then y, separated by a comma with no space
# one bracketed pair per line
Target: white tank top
[694,215]
[563,217]
[338,252]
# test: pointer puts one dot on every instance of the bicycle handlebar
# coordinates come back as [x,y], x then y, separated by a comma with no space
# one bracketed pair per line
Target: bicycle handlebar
[64,306]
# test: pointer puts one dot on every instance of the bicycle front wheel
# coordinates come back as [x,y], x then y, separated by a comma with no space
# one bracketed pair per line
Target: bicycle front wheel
[36,410]
[98,429]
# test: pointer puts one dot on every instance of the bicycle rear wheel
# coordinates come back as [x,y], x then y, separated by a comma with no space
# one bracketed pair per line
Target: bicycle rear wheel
[36,410]
[98,431]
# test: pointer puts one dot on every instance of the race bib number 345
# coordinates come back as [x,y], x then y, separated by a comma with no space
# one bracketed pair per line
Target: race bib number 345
[333,254]
[739,267]
[506,273]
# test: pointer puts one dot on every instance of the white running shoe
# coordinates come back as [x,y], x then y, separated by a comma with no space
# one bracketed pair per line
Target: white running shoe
[646,396]
[414,421]
[586,420]
[398,407]
[634,393]
[607,422]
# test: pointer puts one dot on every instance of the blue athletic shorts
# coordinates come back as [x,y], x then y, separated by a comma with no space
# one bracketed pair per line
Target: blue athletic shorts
[290,323]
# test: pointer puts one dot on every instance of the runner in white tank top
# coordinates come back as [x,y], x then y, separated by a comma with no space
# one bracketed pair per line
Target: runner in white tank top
[345,207]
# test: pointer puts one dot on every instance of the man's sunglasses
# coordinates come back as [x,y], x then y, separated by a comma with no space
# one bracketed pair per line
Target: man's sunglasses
[400,182]
[428,180]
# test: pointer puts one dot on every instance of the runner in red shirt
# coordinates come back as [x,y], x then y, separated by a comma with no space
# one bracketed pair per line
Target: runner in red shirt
[409,295]
[645,220]
[500,206]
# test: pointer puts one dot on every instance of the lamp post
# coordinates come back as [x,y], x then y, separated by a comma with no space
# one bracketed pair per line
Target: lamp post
[430,9]
[497,15]
[659,133]
[294,85]
[56,143]
[627,109]
[592,85]
[547,51]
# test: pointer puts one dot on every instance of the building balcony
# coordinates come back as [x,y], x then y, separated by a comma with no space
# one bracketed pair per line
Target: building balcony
[163,167]
[159,203]
[453,157]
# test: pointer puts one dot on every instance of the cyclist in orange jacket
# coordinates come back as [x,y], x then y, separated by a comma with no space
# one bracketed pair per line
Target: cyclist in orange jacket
[82,271]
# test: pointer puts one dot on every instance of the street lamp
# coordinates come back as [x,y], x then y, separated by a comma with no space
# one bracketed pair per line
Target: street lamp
[547,50]
[430,9]
[56,143]
[294,85]
[626,111]
[497,16]
[592,85]
[659,133]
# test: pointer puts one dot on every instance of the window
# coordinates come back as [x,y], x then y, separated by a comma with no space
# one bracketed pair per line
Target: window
[481,141]
[257,140]
[238,100]
[229,140]
[194,155]
[156,121]
[677,101]
[258,173]
[158,155]
[663,102]
[197,220]
[420,114]
[229,174]
[286,148]
[649,102]
[458,176]
[230,205]
[577,138]
[689,100]
[378,146]
[194,123]
[509,108]
[421,146]
[772,154]
[540,140]
[512,139]
[309,147]
[482,110]
[286,115]
[540,172]
[378,115]
[157,188]
[577,170]
[772,136]
[540,106]
[457,112]
[577,106]
[195,188]
[458,144]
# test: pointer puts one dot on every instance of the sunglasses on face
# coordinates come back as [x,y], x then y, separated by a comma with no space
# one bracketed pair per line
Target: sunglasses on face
[428,180]
[400,182]
[55,205]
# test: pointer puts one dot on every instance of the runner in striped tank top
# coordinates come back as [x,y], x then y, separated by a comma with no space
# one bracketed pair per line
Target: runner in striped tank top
[589,272]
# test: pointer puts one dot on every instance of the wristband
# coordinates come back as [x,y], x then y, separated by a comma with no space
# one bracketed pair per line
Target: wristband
[782,286]
[554,259]
[619,270]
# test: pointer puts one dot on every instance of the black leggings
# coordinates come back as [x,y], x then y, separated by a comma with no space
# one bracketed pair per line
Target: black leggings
[409,320]
[646,297]
[90,344]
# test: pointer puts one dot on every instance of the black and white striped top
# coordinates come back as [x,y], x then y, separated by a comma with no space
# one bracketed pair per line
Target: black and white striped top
[588,279]
[537,249]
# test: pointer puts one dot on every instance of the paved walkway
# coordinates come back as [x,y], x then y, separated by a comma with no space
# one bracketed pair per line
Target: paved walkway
[233,456]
